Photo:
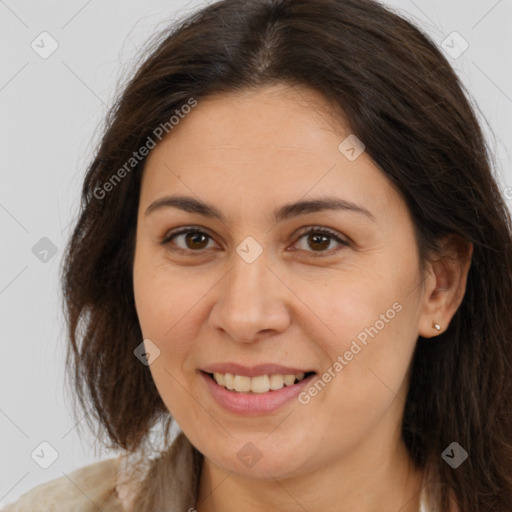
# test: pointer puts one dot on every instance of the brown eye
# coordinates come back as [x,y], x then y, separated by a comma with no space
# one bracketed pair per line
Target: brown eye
[196,240]
[319,242]
[319,239]
[189,240]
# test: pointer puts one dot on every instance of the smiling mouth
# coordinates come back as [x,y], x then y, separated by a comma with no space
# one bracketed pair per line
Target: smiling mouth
[258,384]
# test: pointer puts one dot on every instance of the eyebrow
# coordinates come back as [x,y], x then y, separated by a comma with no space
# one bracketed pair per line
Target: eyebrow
[287,211]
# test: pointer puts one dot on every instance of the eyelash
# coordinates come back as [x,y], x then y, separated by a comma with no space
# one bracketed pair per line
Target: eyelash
[314,230]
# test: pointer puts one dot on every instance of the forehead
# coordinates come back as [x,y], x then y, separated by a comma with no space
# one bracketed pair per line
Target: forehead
[261,146]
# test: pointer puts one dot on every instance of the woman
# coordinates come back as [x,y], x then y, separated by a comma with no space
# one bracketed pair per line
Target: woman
[292,244]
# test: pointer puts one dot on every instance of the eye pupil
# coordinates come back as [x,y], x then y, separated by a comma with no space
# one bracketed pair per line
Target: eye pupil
[317,237]
[194,238]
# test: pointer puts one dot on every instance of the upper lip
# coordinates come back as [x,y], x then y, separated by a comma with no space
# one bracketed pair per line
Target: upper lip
[254,371]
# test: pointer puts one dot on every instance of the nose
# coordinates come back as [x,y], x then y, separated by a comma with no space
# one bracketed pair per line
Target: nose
[252,302]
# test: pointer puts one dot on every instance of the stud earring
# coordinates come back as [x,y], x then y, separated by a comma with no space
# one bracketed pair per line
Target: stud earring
[436,326]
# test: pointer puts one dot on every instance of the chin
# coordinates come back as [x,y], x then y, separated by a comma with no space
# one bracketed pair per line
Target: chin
[256,461]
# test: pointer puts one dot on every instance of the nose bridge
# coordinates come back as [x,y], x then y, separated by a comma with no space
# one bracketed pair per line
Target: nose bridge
[248,278]
[249,300]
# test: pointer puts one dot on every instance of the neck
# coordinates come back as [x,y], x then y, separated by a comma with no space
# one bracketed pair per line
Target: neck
[388,482]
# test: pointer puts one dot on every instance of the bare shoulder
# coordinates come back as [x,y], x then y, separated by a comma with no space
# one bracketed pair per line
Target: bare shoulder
[89,488]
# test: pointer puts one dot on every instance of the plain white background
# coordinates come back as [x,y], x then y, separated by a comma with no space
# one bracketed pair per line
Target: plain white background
[51,109]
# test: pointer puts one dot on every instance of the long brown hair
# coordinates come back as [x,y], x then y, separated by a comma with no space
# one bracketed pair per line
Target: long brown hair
[404,101]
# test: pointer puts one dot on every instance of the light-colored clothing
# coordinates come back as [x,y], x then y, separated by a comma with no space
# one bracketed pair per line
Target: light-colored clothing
[108,486]
[88,489]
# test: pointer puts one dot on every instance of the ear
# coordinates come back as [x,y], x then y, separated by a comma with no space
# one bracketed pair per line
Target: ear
[445,284]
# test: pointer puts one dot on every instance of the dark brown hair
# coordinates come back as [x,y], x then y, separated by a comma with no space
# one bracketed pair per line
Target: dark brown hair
[404,101]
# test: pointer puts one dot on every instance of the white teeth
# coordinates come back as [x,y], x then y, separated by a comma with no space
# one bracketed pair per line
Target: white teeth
[276,382]
[228,381]
[259,384]
[242,383]
[289,380]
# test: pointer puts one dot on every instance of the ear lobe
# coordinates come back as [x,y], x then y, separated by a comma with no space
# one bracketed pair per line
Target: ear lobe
[446,285]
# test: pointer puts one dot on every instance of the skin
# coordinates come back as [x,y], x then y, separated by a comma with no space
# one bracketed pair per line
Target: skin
[248,153]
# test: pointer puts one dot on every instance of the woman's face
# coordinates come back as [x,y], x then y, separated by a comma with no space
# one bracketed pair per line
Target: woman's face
[254,295]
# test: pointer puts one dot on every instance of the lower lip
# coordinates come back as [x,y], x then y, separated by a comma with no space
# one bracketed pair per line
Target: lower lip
[251,404]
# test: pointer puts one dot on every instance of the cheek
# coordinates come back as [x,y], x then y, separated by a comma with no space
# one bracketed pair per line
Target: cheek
[371,330]
[354,306]
[167,301]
